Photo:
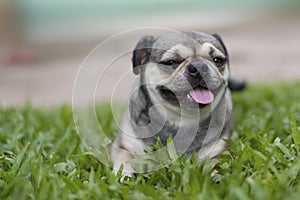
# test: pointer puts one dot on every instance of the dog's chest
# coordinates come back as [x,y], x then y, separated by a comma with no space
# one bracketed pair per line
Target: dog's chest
[187,135]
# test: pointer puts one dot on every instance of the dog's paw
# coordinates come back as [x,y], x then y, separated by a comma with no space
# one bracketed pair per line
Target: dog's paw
[125,171]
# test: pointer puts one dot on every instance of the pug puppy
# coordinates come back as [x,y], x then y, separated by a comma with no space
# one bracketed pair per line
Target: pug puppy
[182,93]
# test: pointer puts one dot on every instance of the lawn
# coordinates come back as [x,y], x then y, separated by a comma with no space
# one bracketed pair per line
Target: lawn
[42,157]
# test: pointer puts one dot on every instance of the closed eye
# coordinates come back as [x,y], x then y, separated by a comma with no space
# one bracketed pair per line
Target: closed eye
[171,63]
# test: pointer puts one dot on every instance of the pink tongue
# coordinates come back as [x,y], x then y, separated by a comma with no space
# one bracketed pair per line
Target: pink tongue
[202,95]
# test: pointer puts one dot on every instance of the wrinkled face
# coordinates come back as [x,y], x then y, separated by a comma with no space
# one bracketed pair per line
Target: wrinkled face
[186,69]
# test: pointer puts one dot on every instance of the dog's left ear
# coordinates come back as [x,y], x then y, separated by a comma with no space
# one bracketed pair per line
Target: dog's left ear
[141,52]
[218,37]
[234,83]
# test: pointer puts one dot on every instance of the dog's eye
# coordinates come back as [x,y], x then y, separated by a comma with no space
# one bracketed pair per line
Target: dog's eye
[171,63]
[219,61]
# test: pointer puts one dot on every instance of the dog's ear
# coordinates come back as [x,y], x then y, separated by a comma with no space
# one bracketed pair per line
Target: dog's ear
[141,52]
[235,83]
[218,37]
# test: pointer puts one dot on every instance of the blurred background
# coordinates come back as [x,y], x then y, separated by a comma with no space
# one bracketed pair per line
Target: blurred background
[43,43]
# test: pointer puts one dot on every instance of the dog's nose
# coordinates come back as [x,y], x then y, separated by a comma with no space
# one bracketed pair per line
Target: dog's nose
[197,69]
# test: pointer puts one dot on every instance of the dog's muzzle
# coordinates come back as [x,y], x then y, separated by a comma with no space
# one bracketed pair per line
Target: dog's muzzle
[197,69]
[196,91]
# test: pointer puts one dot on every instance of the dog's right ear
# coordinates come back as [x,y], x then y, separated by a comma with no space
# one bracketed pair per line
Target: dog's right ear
[141,53]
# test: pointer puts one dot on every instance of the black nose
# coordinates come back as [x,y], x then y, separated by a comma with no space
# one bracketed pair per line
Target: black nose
[197,69]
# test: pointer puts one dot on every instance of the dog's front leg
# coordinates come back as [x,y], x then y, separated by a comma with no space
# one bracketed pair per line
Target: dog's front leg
[119,157]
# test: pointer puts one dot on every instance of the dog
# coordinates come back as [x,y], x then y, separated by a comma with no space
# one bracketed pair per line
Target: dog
[183,92]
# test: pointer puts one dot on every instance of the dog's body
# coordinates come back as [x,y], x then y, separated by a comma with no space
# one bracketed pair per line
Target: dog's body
[182,92]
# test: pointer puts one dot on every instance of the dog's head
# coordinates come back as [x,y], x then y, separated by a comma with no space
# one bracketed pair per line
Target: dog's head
[187,68]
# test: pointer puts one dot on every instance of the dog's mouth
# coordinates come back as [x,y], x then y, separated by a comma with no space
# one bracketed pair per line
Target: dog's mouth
[199,95]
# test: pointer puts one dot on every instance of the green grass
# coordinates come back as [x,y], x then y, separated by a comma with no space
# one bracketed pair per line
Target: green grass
[41,156]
